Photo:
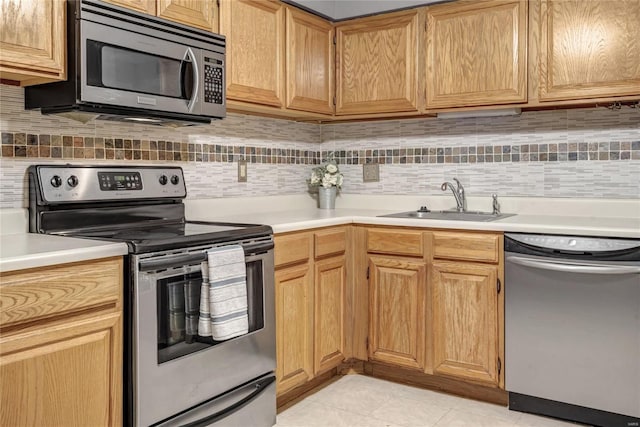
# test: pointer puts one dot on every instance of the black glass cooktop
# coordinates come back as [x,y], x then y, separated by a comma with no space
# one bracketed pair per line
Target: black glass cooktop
[176,235]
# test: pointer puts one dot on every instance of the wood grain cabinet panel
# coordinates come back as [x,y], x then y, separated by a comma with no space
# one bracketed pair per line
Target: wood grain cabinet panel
[309,62]
[483,247]
[396,323]
[395,242]
[332,241]
[53,291]
[476,53]
[465,321]
[32,41]
[376,64]
[61,345]
[144,6]
[329,313]
[589,49]
[294,326]
[292,248]
[195,13]
[255,50]
[63,376]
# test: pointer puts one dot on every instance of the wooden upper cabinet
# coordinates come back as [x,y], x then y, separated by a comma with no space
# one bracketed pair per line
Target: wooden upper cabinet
[144,6]
[376,64]
[476,54]
[255,50]
[195,13]
[32,41]
[589,49]
[309,62]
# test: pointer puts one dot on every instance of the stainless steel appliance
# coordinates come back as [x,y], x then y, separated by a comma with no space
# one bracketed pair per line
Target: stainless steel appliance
[573,327]
[128,66]
[173,376]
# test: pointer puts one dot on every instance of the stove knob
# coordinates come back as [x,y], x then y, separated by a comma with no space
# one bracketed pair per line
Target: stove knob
[175,179]
[56,181]
[72,181]
[163,180]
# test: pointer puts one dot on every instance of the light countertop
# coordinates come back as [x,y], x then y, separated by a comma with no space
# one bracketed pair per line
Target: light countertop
[294,220]
[27,250]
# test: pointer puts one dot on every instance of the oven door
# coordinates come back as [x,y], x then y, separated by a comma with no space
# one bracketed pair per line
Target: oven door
[174,369]
[125,68]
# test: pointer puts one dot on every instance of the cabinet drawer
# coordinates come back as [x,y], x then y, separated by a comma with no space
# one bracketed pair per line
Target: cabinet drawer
[466,246]
[397,242]
[46,292]
[292,248]
[330,242]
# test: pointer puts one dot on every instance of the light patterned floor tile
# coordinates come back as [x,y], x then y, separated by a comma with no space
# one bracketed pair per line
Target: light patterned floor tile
[363,401]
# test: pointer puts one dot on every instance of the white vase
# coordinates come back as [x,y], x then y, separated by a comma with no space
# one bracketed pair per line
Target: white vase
[327,197]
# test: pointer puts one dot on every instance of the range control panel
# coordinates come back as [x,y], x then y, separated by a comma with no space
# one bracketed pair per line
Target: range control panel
[90,183]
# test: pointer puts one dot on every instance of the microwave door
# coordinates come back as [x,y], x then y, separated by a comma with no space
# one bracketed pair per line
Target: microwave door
[128,69]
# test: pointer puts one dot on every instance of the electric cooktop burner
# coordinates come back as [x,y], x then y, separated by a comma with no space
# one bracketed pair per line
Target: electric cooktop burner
[169,236]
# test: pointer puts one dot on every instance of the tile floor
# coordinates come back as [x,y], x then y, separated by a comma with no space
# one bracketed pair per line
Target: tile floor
[362,401]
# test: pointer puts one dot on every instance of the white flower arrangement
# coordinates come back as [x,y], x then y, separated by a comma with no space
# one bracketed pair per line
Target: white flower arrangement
[326,175]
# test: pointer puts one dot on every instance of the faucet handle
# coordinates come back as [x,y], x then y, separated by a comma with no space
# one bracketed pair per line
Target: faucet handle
[458,183]
[496,204]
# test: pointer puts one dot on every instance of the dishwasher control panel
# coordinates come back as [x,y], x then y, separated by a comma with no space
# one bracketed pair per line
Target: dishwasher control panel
[574,243]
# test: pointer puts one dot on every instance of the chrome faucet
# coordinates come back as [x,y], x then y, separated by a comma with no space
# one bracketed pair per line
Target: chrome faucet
[458,193]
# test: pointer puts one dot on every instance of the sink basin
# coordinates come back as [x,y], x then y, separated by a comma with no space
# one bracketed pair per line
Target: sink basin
[451,215]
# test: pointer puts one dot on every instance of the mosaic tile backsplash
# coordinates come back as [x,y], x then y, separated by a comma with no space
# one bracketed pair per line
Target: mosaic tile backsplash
[562,153]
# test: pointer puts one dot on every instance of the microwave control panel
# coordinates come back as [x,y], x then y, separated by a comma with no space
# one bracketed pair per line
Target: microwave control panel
[213,81]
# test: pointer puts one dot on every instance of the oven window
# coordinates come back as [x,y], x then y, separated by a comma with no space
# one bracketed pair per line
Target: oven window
[178,311]
[140,72]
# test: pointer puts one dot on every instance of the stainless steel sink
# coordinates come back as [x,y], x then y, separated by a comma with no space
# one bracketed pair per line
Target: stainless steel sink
[451,215]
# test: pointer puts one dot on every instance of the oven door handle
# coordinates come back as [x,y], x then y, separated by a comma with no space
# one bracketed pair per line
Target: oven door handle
[194,258]
[574,268]
[259,387]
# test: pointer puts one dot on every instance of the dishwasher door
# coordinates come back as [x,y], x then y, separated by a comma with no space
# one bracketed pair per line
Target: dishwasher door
[572,335]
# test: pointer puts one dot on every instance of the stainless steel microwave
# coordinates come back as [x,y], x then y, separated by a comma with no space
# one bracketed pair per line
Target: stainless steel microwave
[127,66]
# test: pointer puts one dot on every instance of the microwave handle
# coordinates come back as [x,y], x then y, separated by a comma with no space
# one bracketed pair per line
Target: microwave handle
[196,78]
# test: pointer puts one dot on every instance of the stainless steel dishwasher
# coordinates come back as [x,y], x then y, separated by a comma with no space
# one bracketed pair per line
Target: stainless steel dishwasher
[572,328]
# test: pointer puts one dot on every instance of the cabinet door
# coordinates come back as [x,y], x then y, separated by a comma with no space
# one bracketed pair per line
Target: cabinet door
[310,62]
[294,326]
[32,41]
[144,6]
[476,53]
[255,50]
[589,49]
[68,375]
[396,324]
[201,14]
[376,64]
[329,313]
[465,321]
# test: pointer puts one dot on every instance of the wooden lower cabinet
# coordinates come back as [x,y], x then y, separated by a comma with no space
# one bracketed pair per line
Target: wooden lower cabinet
[465,321]
[396,319]
[329,313]
[63,376]
[61,345]
[294,326]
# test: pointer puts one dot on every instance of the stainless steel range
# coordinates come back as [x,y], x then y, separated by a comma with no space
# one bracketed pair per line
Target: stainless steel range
[173,375]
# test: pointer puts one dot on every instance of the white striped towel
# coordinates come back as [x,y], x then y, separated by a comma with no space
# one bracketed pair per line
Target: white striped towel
[204,321]
[228,292]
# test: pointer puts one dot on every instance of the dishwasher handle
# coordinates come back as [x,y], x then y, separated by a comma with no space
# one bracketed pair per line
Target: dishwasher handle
[574,268]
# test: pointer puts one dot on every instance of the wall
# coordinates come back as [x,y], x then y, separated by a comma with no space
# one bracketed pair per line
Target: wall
[585,153]
[279,152]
